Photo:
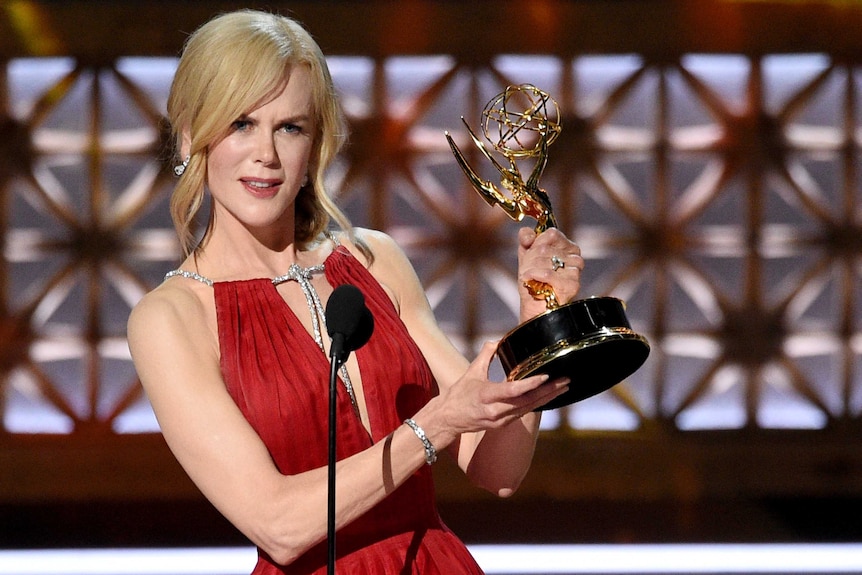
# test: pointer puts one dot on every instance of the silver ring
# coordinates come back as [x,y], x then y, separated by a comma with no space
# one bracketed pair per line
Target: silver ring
[557,263]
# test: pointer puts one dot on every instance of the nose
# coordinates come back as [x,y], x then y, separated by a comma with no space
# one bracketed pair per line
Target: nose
[266,151]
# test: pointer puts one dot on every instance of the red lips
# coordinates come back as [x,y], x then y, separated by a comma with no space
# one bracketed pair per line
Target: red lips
[261,188]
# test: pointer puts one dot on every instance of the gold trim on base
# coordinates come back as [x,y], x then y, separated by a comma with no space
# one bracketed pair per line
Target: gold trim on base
[564,347]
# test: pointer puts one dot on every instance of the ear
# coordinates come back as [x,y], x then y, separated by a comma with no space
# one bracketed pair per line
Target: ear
[185,143]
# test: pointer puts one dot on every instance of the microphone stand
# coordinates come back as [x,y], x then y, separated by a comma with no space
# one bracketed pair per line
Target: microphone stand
[349,325]
[336,362]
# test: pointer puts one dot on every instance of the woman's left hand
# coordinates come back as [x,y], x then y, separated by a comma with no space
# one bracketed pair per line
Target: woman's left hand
[549,258]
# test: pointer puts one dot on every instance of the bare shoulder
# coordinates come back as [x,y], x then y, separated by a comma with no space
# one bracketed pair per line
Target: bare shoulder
[174,311]
[388,262]
[165,302]
[393,270]
[387,253]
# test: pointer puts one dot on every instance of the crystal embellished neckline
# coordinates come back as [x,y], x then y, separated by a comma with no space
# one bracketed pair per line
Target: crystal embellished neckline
[293,272]
[302,276]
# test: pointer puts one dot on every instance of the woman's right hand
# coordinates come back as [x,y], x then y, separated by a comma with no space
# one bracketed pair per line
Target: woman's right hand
[474,403]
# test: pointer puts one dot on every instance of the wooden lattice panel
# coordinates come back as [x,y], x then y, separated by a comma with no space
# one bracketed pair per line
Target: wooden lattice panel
[717,195]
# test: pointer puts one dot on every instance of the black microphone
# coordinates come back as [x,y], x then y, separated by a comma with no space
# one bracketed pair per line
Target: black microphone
[349,323]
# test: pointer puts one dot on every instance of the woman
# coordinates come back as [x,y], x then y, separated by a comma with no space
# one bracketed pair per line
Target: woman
[233,356]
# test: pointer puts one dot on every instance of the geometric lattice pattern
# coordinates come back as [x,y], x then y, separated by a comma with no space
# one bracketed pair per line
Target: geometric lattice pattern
[719,196]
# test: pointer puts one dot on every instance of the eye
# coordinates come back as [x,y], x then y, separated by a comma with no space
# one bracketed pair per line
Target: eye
[240,125]
[291,128]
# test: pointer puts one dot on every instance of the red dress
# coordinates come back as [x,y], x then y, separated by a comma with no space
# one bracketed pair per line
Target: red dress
[279,378]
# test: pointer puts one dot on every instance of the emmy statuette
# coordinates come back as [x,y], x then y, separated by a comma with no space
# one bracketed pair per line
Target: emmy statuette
[589,340]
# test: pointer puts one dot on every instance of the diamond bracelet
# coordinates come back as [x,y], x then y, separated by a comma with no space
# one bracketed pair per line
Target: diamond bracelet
[430,452]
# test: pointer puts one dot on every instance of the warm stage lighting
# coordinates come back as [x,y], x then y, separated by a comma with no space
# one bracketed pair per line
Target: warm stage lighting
[775,559]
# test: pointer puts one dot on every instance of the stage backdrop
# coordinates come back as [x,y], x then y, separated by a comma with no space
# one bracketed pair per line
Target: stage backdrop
[708,166]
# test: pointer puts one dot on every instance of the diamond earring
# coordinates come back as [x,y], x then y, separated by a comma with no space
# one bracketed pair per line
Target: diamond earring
[181,168]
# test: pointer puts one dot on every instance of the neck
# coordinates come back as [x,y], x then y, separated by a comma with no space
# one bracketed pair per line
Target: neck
[234,250]
[232,256]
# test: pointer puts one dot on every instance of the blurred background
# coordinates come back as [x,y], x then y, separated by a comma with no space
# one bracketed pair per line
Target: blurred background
[708,165]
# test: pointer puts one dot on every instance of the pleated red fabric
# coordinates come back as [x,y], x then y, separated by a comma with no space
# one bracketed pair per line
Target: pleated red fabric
[279,378]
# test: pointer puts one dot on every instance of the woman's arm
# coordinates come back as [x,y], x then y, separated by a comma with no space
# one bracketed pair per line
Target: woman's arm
[176,357]
[490,426]
[512,447]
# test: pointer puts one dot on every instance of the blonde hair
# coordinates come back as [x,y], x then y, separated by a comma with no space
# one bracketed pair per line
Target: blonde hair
[229,66]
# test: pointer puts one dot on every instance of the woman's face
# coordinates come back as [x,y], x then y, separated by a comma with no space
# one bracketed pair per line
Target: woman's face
[256,171]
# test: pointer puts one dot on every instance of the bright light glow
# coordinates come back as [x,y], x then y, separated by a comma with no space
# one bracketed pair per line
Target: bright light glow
[665,559]
[494,559]
[215,561]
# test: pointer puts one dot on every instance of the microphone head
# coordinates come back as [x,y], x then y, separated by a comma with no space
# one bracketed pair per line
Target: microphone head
[347,315]
[363,331]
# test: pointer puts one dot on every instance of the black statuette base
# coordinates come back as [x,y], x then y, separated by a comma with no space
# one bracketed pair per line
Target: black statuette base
[588,340]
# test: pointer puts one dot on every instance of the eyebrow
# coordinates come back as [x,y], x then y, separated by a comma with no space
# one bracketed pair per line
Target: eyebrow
[295,119]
